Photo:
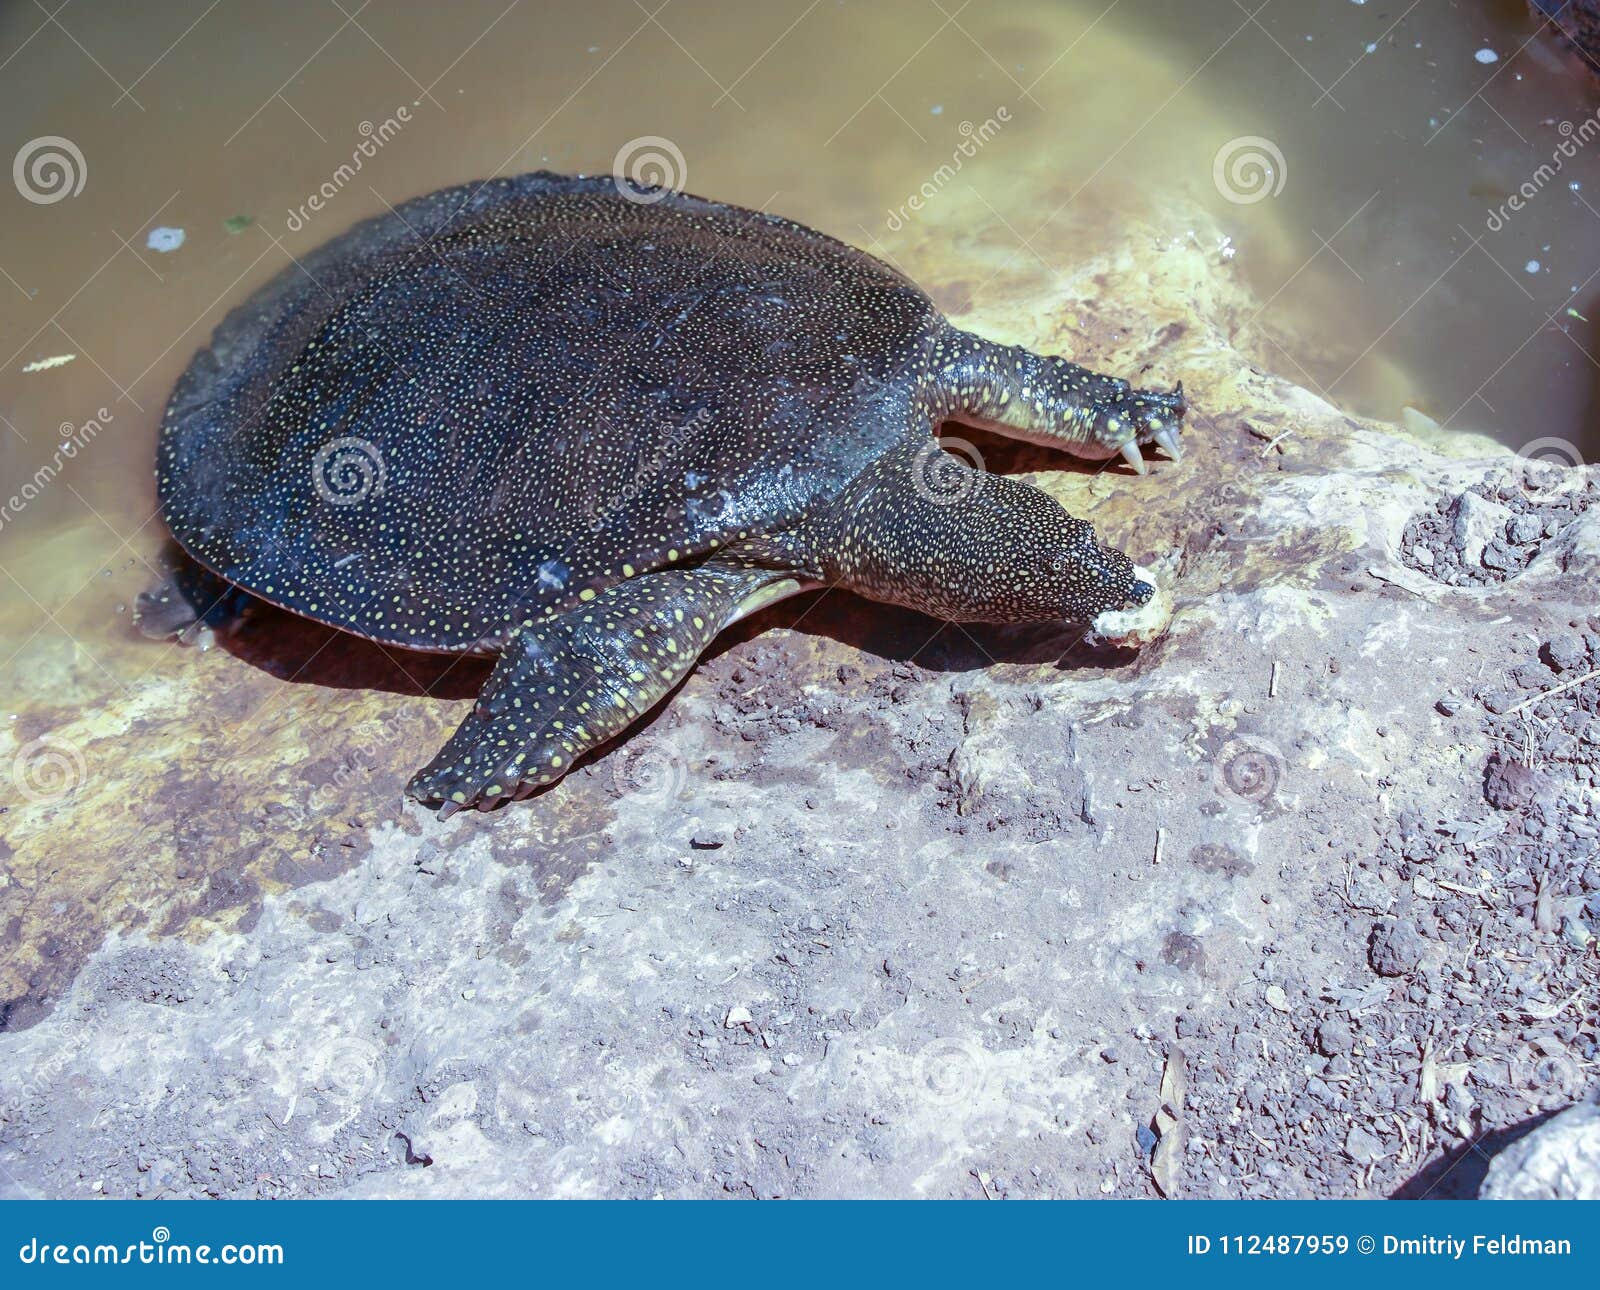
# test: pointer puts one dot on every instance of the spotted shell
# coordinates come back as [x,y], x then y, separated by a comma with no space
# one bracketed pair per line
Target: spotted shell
[500,399]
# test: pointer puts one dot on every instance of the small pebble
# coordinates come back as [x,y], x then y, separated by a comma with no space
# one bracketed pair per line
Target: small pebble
[1523,529]
[1333,1037]
[1567,652]
[1395,947]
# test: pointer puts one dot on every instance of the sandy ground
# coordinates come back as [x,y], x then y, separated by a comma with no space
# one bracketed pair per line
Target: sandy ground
[1299,900]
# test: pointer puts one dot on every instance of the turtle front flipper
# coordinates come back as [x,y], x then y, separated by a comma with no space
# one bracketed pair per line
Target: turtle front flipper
[1054,403]
[567,684]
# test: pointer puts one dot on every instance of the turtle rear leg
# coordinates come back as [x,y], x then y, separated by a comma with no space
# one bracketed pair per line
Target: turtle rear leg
[187,598]
[569,683]
[1052,402]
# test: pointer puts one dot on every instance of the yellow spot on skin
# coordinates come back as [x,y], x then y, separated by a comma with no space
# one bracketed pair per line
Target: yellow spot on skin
[586,594]
[627,571]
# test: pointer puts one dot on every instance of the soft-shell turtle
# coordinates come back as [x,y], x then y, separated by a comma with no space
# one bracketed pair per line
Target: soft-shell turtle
[586,425]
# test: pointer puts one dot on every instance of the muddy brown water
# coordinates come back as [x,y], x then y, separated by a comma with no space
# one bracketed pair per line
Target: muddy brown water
[1359,156]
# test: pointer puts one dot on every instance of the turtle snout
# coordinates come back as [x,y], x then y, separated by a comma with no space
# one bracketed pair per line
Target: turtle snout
[1095,578]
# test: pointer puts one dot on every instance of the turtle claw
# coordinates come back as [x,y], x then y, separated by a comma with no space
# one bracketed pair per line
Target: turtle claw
[1167,440]
[1134,458]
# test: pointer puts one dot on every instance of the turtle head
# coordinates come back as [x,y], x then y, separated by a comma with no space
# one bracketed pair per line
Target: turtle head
[993,549]
[1088,578]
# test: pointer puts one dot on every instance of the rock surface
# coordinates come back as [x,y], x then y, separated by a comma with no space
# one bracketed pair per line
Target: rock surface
[1560,1160]
[980,900]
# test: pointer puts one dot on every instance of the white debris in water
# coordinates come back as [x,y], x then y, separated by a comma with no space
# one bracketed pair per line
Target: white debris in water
[1532,266]
[165,239]
[1487,56]
[45,364]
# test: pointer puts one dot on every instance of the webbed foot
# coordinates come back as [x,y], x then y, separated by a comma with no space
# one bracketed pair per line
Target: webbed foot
[187,599]
[568,684]
[1057,404]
